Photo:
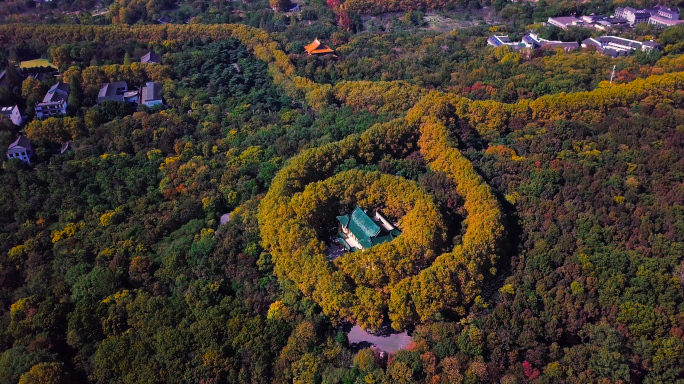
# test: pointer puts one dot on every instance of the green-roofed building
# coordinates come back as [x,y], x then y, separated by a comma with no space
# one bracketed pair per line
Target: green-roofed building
[360,229]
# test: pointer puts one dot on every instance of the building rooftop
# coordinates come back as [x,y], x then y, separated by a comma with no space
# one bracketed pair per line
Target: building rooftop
[567,20]
[58,92]
[665,20]
[619,41]
[111,89]
[151,57]
[21,142]
[367,232]
[616,46]
[637,12]
[151,91]
[316,47]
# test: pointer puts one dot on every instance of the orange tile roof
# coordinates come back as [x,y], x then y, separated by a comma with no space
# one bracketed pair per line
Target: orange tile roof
[311,47]
[317,48]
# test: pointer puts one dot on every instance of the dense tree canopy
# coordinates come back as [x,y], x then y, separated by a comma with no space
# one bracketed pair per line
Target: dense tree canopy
[540,206]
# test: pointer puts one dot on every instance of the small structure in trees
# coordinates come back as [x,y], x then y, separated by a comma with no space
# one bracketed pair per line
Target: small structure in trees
[20,149]
[318,48]
[151,58]
[359,231]
[65,148]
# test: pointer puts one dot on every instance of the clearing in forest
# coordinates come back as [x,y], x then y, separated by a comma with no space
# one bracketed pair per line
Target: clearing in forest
[36,63]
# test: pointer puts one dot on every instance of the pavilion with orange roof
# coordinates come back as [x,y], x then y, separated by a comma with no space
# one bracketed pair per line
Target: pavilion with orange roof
[317,48]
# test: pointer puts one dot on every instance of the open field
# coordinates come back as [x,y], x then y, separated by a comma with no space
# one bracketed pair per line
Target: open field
[443,22]
[36,63]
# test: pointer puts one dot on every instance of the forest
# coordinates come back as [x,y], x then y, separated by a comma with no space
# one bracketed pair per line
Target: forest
[540,205]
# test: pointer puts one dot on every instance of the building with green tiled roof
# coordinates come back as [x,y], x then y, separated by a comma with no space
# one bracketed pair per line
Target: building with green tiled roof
[365,231]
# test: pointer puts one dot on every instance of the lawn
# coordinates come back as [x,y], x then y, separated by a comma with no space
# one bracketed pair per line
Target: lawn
[36,63]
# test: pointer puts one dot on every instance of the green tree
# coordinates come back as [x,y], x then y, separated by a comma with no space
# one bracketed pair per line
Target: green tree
[32,90]
[61,56]
[43,373]
[280,5]
[75,94]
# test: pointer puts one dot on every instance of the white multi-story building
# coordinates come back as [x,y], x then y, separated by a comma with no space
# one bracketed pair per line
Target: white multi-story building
[633,16]
[663,22]
[13,113]
[55,101]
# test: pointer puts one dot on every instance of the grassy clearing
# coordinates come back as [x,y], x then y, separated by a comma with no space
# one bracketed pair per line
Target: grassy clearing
[36,63]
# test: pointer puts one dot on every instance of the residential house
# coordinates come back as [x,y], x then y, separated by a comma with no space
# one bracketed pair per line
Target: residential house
[112,92]
[20,149]
[633,16]
[150,94]
[359,231]
[151,58]
[317,48]
[55,101]
[565,22]
[13,113]
[617,46]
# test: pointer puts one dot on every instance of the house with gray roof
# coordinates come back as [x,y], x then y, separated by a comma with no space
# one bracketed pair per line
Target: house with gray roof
[150,94]
[112,92]
[55,101]
[20,149]
[359,231]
